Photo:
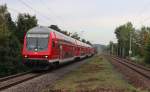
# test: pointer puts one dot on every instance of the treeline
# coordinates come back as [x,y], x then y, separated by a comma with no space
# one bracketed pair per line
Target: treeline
[11,39]
[132,42]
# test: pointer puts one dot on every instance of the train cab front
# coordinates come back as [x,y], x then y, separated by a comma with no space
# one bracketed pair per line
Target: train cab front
[36,51]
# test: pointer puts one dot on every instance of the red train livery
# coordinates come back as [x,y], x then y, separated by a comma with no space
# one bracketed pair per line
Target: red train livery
[44,46]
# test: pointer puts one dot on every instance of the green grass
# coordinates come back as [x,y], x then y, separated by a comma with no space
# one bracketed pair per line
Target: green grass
[98,73]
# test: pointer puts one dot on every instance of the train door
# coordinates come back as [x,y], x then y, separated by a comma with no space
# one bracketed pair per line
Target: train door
[61,51]
[55,49]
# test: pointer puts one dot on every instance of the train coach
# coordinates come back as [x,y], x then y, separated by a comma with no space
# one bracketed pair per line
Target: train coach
[44,47]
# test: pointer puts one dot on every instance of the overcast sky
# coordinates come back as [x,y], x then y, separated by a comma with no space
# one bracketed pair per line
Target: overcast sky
[94,20]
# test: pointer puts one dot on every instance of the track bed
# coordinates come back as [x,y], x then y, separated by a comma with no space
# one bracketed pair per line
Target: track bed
[97,75]
[41,80]
[136,74]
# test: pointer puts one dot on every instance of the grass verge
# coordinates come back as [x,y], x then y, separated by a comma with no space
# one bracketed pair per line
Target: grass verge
[96,75]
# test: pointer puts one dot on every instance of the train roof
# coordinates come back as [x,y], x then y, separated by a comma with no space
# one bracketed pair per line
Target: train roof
[65,37]
[42,29]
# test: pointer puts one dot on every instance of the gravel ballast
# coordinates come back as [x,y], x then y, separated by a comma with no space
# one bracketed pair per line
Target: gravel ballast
[39,83]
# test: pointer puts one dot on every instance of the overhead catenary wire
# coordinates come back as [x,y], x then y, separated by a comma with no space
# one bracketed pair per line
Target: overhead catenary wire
[52,13]
[141,13]
[36,12]
[48,19]
[48,8]
[18,12]
[140,23]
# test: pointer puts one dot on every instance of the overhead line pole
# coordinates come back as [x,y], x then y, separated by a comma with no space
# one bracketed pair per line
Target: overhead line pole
[130,45]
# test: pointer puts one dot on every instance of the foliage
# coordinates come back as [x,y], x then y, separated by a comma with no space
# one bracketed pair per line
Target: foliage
[10,59]
[10,24]
[24,23]
[147,52]
[56,28]
[140,42]
[123,34]
[88,42]
[75,36]
[141,39]
[83,40]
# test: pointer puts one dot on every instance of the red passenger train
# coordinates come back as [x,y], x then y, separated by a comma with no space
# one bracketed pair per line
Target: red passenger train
[44,47]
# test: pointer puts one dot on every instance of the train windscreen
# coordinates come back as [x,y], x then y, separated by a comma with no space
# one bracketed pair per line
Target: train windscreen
[37,42]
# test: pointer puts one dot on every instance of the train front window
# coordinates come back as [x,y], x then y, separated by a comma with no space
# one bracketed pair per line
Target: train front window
[37,42]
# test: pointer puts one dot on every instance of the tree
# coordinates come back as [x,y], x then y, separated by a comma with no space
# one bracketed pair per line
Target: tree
[3,29]
[11,25]
[83,40]
[147,52]
[75,36]
[139,40]
[88,42]
[123,34]
[65,33]
[55,27]
[9,47]
[24,23]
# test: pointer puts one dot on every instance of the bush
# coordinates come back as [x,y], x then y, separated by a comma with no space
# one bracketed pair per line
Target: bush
[10,56]
[10,46]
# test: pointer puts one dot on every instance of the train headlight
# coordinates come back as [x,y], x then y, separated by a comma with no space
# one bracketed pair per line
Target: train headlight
[25,56]
[46,56]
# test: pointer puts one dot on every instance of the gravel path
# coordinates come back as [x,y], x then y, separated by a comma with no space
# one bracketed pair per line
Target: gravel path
[39,83]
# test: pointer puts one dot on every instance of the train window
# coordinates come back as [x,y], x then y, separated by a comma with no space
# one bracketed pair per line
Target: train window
[37,42]
[59,43]
[53,44]
[42,44]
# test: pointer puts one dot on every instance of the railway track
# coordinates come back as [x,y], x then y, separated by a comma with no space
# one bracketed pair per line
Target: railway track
[140,66]
[136,74]
[14,80]
[17,79]
[13,76]
[38,81]
[137,68]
